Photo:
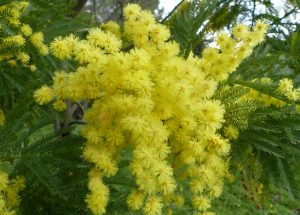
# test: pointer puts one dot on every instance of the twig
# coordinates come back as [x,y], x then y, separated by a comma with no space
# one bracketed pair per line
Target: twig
[175,8]
[285,15]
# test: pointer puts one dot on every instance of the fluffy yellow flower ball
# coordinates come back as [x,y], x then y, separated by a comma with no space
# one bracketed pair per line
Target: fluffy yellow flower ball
[231,132]
[43,95]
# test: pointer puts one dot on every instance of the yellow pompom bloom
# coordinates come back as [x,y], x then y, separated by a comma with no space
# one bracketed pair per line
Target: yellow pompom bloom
[179,200]
[211,114]
[23,57]
[43,95]
[210,54]
[216,190]
[16,40]
[135,200]
[153,206]
[97,203]
[60,48]
[166,184]
[9,193]
[285,85]
[159,33]
[32,68]
[293,95]
[60,105]
[231,132]
[84,52]
[106,40]
[26,30]
[197,186]
[244,51]
[18,183]
[113,27]
[261,27]
[98,199]
[222,39]
[131,11]
[43,49]
[201,203]
[266,80]
[240,31]
[12,63]
[37,39]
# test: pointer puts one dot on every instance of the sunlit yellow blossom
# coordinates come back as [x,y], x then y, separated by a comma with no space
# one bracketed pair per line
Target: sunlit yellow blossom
[37,39]
[179,200]
[60,105]
[26,30]
[12,63]
[153,206]
[231,132]
[261,27]
[105,40]
[43,95]
[60,48]
[132,11]
[16,40]
[201,203]
[98,199]
[222,39]
[23,57]
[113,27]
[211,114]
[293,95]
[135,200]
[32,68]
[285,85]
[240,31]
[18,183]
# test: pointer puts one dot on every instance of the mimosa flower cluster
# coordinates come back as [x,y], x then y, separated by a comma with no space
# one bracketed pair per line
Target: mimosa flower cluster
[19,35]
[157,104]
[285,87]
[9,193]
[16,37]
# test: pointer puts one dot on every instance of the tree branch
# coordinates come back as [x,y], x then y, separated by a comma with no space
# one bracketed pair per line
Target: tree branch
[174,9]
